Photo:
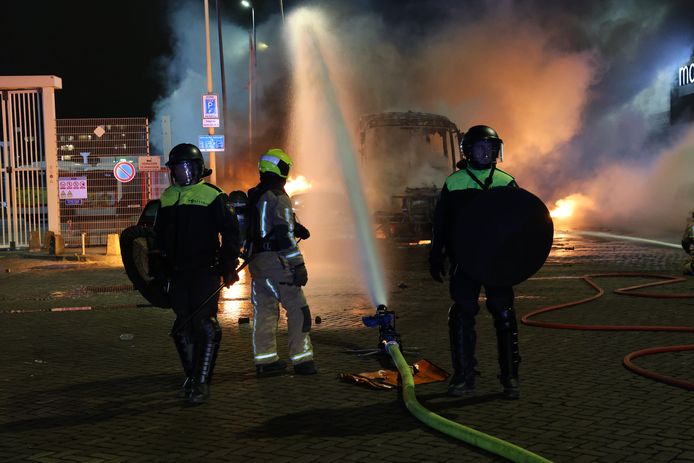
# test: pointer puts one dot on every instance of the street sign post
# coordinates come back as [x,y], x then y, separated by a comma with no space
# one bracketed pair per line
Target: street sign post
[210,143]
[210,108]
[124,171]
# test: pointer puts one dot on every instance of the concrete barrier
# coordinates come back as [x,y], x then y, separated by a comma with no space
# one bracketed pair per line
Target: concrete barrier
[35,241]
[56,246]
[113,245]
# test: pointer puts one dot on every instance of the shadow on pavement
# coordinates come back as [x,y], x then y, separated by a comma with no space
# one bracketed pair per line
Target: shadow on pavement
[92,402]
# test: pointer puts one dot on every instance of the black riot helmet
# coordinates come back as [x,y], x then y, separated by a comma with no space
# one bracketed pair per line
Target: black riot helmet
[239,199]
[187,164]
[481,146]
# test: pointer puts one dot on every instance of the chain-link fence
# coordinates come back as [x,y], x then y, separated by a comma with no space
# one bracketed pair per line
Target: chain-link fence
[93,201]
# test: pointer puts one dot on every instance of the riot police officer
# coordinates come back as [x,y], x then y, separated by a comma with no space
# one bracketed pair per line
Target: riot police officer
[277,270]
[480,148]
[192,218]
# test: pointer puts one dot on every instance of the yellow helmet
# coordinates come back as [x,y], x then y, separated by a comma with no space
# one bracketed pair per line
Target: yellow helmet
[276,161]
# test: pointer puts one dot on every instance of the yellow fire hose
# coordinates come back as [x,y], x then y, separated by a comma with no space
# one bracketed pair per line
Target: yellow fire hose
[451,428]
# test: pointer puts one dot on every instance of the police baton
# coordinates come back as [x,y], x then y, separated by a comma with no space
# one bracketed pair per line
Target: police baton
[203,303]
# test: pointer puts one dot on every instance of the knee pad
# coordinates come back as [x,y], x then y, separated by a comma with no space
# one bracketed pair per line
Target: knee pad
[462,310]
[505,319]
[210,329]
[306,326]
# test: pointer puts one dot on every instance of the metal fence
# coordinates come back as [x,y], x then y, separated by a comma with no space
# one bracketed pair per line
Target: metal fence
[23,203]
[92,200]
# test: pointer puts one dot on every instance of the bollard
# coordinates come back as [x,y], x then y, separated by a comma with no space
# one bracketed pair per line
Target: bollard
[57,245]
[47,238]
[113,245]
[35,241]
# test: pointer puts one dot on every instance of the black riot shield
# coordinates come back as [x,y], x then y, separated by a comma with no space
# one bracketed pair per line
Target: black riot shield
[144,268]
[503,236]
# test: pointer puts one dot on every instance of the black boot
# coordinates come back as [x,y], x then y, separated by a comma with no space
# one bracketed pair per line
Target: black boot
[205,358]
[461,331]
[185,352]
[509,356]
[270,369]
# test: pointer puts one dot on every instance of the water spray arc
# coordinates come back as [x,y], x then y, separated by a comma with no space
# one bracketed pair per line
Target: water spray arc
[346,157]
[384,318]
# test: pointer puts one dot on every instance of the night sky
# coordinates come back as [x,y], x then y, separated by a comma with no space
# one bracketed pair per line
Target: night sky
[109,54]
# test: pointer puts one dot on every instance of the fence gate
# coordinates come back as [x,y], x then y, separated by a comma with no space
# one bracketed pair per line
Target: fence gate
[23,175]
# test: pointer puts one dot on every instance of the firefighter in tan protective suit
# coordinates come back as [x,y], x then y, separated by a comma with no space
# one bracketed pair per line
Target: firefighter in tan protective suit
[277,270]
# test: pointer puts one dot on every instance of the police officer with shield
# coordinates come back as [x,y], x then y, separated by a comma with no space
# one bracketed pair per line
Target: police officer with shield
[197,234]
[480,148]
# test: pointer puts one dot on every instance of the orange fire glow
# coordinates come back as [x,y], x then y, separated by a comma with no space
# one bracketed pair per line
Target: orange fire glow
[564,209]
[568,208]
[297,185]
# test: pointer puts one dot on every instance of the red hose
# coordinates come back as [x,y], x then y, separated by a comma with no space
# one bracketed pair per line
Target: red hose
[629,291]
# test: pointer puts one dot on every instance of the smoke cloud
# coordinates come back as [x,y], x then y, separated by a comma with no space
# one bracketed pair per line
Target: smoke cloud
[579,93]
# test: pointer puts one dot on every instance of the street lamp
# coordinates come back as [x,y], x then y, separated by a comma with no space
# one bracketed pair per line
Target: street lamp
[251,75]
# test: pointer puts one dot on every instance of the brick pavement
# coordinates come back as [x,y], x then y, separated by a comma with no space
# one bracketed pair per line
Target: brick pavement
[72,390]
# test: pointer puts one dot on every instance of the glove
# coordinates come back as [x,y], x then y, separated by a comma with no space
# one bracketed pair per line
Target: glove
[300,275]
[301,232]
[230,278]
[229,274]
[437,269]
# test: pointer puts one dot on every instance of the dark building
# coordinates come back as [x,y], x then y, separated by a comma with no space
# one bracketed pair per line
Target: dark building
[682,94]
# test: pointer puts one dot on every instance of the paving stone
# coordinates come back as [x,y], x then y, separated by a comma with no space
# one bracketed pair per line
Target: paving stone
[71,390]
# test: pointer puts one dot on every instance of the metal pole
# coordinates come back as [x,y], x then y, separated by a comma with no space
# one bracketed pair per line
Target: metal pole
[282,10]
[210,130]
[250,96]
[255,60]
[225,119]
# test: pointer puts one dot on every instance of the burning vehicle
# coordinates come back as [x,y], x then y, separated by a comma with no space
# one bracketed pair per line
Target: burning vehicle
[406,157]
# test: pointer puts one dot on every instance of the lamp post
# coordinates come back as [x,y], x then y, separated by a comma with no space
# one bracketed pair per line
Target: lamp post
[225,108]
[251,75]
[210,130]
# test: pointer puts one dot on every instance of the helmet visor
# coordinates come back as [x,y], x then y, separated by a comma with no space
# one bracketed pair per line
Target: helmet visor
[185,173]
[484,152]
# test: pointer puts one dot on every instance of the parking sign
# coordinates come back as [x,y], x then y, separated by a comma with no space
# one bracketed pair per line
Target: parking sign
[210,108]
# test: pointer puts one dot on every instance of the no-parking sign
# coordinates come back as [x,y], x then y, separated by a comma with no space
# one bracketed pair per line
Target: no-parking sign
[124,171]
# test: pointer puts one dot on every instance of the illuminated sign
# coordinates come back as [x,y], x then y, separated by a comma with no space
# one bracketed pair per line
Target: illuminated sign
[211,143]
[686,75]
[210,107]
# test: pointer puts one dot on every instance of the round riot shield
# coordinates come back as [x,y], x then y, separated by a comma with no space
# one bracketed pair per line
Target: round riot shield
[143,267]
[502,237]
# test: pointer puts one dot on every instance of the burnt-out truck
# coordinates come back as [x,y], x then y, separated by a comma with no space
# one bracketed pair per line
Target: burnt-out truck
[405,157]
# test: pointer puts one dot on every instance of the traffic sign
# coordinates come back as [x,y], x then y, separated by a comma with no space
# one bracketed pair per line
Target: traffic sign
[124,171]
[211,142]
[210,108]
[149,163]
[210,122]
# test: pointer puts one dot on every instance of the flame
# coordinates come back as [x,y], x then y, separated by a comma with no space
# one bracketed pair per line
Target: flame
[564,208]
[297,185]
[571,208]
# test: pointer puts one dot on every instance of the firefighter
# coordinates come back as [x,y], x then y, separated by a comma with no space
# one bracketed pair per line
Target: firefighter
[480,148]
[192,218]
[277,270]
